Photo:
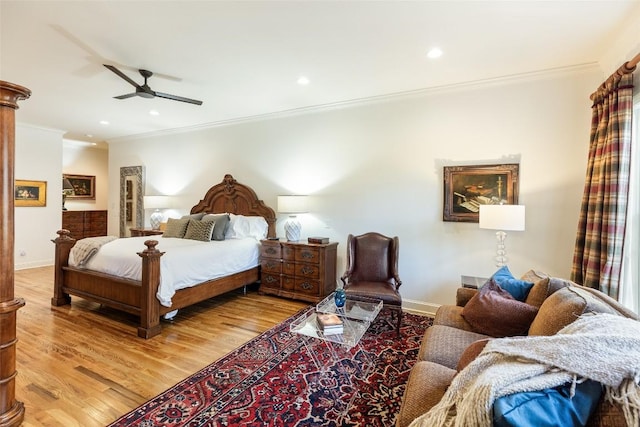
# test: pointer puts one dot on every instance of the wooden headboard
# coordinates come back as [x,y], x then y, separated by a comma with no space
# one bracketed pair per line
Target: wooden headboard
[232,197]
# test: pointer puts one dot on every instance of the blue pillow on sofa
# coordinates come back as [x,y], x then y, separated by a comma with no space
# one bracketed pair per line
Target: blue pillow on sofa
[548,408]
[519,289]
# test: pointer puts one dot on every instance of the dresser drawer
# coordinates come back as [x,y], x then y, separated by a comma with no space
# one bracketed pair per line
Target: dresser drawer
[288,283]
[288,253]
[269,265]
[310,271]
[307,286]
[270,250]
[270,280]
[307,254]
[289,268]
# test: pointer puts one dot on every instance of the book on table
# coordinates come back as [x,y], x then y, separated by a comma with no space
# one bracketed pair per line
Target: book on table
[329,323]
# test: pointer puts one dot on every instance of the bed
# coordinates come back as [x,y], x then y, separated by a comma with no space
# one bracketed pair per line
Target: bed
[139,297]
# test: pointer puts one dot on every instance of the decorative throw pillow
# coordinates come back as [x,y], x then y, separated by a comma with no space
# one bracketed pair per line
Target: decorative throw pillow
[199,230]
[176,227]
[519,289]
[493,311]
[222,224]
[197,216]
[550,407]
[471,352]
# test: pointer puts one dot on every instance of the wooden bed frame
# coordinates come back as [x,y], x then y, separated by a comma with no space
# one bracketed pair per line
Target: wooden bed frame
[139,297]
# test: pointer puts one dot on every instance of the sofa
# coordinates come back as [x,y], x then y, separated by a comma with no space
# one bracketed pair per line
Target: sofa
[453,341]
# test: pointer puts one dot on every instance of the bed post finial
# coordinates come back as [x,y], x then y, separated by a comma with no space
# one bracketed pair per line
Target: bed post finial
[149,304]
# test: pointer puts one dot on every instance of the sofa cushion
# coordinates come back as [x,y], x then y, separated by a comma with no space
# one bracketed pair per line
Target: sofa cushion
[445,345]
[548,408]
[471,352]
[545,287]
[426,385]
[519,289]
[451,315]
[494,312]
[563,307]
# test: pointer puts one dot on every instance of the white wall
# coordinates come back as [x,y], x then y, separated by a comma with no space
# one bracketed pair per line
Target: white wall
[38,158]
[378,167]
[78,158]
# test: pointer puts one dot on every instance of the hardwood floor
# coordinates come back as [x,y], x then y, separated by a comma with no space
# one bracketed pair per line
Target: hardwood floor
[83,364]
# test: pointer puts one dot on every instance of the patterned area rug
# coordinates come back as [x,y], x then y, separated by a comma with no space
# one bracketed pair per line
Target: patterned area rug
[272,381]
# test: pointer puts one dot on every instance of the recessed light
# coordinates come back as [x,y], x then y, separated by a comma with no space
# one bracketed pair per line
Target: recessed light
[104,122]
[302,80]
[88,135]
[154,113]
[435,52]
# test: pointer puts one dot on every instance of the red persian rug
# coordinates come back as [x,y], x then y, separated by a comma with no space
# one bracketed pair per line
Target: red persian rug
[269,381]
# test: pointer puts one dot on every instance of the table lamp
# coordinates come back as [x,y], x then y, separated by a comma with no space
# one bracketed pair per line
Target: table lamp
[67,190]
[157,203]
[502,218]
[292,205]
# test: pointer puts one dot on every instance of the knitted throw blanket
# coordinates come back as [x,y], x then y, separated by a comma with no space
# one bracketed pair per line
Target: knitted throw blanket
[86,248]
[600,347]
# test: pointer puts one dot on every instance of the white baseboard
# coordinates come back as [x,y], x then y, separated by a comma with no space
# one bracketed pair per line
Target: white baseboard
[33,264]
[420,307]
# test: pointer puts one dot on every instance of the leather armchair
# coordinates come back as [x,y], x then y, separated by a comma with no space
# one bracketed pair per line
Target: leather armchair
[372,271]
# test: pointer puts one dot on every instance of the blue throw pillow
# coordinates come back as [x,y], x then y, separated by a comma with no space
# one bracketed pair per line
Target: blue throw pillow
[548,408]
[519,289]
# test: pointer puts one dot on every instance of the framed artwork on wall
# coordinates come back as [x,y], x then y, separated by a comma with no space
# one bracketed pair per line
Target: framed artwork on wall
[468,187]
[30,193]
[84,186]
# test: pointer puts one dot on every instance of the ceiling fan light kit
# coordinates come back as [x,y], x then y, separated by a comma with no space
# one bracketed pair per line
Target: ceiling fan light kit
[144,90]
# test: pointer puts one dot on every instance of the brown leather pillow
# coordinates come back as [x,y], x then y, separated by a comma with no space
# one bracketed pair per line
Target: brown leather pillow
[493,311]
[471,352]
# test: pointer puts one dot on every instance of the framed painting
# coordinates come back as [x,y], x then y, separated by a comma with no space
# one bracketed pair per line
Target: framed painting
[84,186]
[468,187]
[30,193]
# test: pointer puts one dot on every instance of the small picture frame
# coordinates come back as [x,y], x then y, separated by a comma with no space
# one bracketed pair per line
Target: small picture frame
[84,186]
[30,193]
[468,187]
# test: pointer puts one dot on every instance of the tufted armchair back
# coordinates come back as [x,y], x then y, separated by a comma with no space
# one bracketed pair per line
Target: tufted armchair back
[372,257]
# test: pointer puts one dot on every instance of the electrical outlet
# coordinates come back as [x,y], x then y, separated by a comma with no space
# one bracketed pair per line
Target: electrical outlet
[23,253]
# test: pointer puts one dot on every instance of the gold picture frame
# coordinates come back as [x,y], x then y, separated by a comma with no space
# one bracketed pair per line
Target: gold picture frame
[467,187]
[84,186]
[30,193]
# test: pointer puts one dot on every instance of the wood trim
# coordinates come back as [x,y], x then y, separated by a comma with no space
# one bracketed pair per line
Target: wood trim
[11,410]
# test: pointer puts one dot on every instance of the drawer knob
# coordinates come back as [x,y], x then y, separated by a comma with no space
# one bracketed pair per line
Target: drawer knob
[306,286]
[307,255]
[307,270]
[270,251]
[270,279]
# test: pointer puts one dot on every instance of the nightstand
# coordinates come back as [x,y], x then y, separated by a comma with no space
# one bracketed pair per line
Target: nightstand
[136,232]
[298,270]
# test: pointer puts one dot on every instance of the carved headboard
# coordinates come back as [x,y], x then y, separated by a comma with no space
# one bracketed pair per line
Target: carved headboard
[232,197]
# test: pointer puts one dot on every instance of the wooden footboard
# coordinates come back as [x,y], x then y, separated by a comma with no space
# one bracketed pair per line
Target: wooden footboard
[139,297]
[132,296]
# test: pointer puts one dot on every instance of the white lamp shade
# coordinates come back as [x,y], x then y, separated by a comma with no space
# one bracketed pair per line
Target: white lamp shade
[292,204]
[157,202]
[502,217]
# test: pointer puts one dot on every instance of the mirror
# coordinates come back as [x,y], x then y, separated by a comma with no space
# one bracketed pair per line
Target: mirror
[131,193]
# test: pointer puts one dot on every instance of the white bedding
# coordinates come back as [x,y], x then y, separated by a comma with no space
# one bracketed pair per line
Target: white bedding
[185,263]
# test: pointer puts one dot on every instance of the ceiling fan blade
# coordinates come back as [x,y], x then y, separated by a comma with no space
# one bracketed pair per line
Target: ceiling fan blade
[129,95]
[178,98]
[121,74]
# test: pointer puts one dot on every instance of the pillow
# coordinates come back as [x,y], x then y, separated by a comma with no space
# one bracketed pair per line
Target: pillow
[493,311]
[548,408]
[176,227]
[197,216]
[222,224]
[471,352]
[519,289]
[563,307]
[247,226]
[199,230]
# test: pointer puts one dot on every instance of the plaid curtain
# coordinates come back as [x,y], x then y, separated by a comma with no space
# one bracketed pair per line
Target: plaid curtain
[597,257]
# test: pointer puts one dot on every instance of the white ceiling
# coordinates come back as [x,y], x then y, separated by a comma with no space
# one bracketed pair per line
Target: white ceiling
[243,58]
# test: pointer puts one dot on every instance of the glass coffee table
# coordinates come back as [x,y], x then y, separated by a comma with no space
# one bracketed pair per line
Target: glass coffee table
[339,358]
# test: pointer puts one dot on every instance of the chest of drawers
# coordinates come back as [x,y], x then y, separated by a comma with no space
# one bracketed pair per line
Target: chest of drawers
[298,270]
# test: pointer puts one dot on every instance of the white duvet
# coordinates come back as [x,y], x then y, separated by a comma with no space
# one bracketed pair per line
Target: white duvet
[185,263]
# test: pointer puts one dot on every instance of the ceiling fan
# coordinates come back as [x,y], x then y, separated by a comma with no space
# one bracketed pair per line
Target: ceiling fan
[145,91]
